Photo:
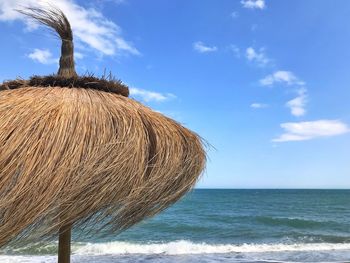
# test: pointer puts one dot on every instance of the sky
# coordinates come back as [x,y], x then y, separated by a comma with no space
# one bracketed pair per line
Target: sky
[265,83]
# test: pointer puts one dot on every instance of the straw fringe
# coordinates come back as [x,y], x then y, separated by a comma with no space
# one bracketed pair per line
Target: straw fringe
[97,160]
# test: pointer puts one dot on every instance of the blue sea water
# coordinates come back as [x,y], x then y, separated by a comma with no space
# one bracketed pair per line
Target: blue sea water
[224,226]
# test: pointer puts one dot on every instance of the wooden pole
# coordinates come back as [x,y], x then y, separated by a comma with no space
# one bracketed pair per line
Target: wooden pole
[64,244]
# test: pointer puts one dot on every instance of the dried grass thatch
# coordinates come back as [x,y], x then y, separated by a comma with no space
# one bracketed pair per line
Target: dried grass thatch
[82,157]
[76,152]
[105,83]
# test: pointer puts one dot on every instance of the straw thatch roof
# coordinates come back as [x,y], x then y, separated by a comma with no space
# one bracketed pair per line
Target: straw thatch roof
[84,155]
[68,155]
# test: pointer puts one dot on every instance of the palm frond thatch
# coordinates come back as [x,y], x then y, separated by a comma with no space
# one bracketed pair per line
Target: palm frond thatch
[83,157]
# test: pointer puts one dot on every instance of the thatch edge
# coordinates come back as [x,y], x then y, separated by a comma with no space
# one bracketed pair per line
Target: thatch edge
[107,84]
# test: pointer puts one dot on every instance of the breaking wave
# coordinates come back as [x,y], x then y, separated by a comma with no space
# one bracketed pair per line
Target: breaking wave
[187,247]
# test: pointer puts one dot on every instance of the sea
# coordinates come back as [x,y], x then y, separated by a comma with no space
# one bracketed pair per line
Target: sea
[212,225]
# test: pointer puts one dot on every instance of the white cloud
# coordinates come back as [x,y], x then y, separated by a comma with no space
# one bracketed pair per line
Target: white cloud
[149,96]
[252,4]
[202,48]
[281,76]
[89,26]
[297,105]
[301,131]
[125,46]
[258,105]
[42,56]
[258,57]
[78,55]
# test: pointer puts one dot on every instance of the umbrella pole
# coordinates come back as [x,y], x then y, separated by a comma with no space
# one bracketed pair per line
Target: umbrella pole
[64,244]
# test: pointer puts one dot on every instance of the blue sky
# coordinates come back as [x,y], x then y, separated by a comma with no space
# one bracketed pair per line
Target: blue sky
[265,82]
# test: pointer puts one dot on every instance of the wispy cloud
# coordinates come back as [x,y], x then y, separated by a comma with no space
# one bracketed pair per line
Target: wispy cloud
[281,76]
[202,48]
[42,56]
[253,4]
[91,28]
[150,96]
[258,105]
[259,57]
[301,131]
[126,47]
[297,105]
[78,55]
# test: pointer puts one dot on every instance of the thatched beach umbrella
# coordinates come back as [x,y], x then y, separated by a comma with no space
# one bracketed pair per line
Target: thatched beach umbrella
[77,152]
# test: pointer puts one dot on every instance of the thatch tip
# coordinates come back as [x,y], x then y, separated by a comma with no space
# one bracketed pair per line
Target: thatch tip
[55,19]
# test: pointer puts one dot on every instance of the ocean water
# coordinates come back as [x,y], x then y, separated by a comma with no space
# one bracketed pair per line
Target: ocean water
[223,226]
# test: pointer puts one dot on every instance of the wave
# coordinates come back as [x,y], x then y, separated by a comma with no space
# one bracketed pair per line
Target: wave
[186,247]
[180,247]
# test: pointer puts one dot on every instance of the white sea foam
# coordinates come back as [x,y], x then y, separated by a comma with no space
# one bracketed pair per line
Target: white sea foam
[87,252]
[28,259]
[186,247]
[84,251]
